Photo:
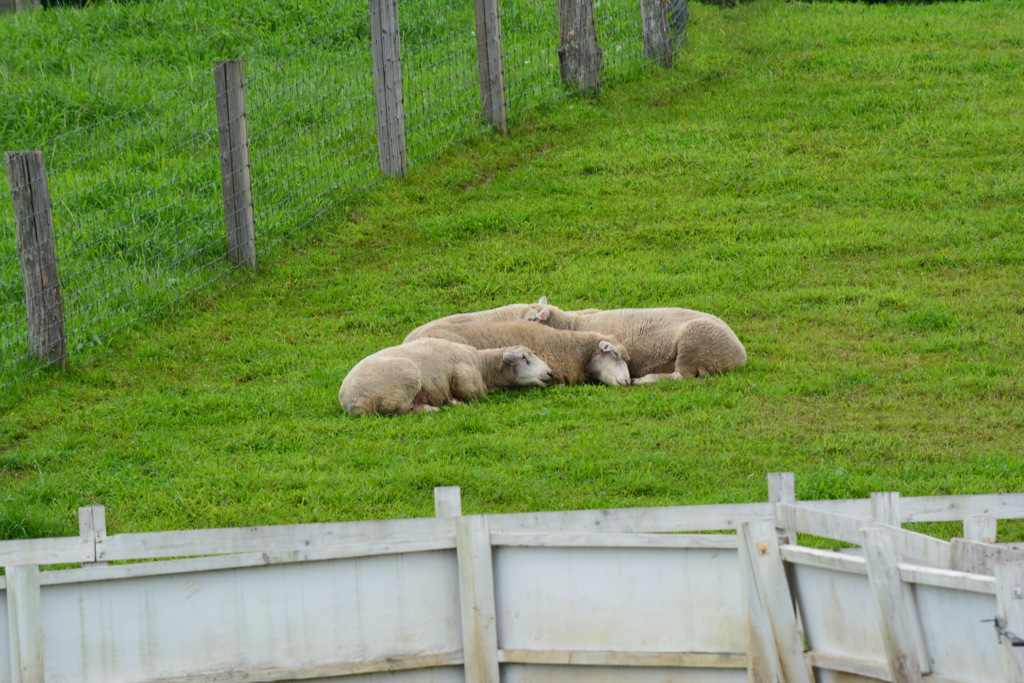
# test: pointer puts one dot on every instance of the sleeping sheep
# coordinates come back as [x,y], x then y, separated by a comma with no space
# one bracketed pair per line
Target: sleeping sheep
[574,357]
[423,375]
[509,313]
[664,343]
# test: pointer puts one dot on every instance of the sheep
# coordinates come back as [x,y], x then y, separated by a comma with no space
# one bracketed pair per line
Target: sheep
[574,357]
[664,343]
[421,376]
[512,312]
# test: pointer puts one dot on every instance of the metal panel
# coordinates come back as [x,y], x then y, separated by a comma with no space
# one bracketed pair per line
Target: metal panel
[644,600]
[5,641]
[960,645]
[529,673]
[271,616]
[839,613]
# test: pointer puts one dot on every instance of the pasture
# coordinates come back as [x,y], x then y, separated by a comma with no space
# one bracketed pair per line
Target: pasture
[842,183]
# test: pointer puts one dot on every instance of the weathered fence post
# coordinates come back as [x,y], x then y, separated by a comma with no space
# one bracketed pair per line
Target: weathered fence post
[92,527]
[387,87]
[25,622]
[447,501]
[492,68]
[885,508]
[236,180]
[476,593]
[782,489]
[579,55]
[657,33]
[33,217]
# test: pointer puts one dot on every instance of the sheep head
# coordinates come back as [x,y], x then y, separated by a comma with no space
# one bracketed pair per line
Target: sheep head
[528,368]
[609,365]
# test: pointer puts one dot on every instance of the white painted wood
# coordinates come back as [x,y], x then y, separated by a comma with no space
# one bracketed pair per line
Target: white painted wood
[896,610]
[476,594]
[617,540]
[447,501]
[70,550]
[981,558]
[25,626]
[539,673]
[597,599]
[955,508]
[690,660]
[782,489]
[775,643]
[92,527]
[960,645]
[885,508]
[857,667]
[981,528]
[634,520]
[1010,609]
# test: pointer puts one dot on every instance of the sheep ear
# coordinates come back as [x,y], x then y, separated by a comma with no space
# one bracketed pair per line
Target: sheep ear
[543,315]
[513,356]
[607,347]
[543,301]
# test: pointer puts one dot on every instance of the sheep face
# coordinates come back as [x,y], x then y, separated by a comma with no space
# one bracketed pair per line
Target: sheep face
[528,368]
[608,366]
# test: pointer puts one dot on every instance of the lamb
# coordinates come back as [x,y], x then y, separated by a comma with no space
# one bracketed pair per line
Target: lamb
[664,343]
[510,313]
[574,357]
[421,376]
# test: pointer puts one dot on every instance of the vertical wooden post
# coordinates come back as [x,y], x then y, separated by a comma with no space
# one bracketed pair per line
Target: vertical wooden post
[24,618]
[92,526]
[775,645]
[476,593]
[33,217]
[782,489]
[579,55]
[900,630]
[885,508]
[236,181]
[981,528]
[492,68]
[1010,612]
[447,501]
[387,87]
[657,33]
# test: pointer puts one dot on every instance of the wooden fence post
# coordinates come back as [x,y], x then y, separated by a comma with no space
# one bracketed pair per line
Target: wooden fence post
[782,489]
[447,501]
[657,33]
[236,181]
[476,593]
[579,55]
[898,625]
[92,526]
[387,87]
[24,618]
[492,68]
[1010,613]
[885,508]
[33,217]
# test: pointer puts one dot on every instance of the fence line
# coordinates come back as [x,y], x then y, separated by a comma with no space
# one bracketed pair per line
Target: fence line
[550,596]
[137,223]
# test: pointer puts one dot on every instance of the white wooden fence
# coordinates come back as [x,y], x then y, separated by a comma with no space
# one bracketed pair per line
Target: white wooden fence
[645,595]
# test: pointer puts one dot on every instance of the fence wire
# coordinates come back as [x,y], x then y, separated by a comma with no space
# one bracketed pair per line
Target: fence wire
[140,225]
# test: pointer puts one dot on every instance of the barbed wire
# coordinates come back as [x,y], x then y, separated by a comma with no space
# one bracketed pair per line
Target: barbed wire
[139,222]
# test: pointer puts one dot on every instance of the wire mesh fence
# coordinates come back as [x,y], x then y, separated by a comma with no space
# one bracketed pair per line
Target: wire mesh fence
[140,222]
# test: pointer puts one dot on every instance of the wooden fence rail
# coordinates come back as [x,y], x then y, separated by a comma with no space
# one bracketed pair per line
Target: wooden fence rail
[591,595]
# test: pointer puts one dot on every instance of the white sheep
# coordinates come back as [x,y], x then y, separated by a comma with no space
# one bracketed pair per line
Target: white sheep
[423,375]
[510,313]
[664,343]
[574,357]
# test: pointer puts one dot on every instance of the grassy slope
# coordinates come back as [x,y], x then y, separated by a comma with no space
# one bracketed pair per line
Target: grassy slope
[842,183]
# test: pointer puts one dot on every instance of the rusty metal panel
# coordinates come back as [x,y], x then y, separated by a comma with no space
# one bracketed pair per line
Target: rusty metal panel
[839,613]
[276,616]
[960,645]
[619,599]
[530,673]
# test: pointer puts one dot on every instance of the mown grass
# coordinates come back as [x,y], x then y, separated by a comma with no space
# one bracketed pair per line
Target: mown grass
[842,183]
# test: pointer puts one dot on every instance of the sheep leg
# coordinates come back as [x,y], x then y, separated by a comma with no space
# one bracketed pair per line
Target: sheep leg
[657,377]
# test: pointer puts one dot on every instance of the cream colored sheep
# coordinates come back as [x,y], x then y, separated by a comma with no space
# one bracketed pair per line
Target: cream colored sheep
[423,375]
[574,357]
[664,343]
[510,313]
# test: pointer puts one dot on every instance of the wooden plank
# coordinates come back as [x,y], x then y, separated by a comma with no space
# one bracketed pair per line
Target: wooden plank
[657,34]
[980,528]
[681,660]
[476,592]
[70,550]
[782,489]
[885,508]
[981,558]
[447,501]
[316,671]
[491,63]
[37,253]
[849,665]
[236,180]
[775,643]
[1010,612]
[899,627]
[956,508]
[554,540]
[634,520]
[579,55]
[25,623]
[387,87]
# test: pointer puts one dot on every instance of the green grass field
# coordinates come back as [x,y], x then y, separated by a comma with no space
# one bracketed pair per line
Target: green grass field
[842,183]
